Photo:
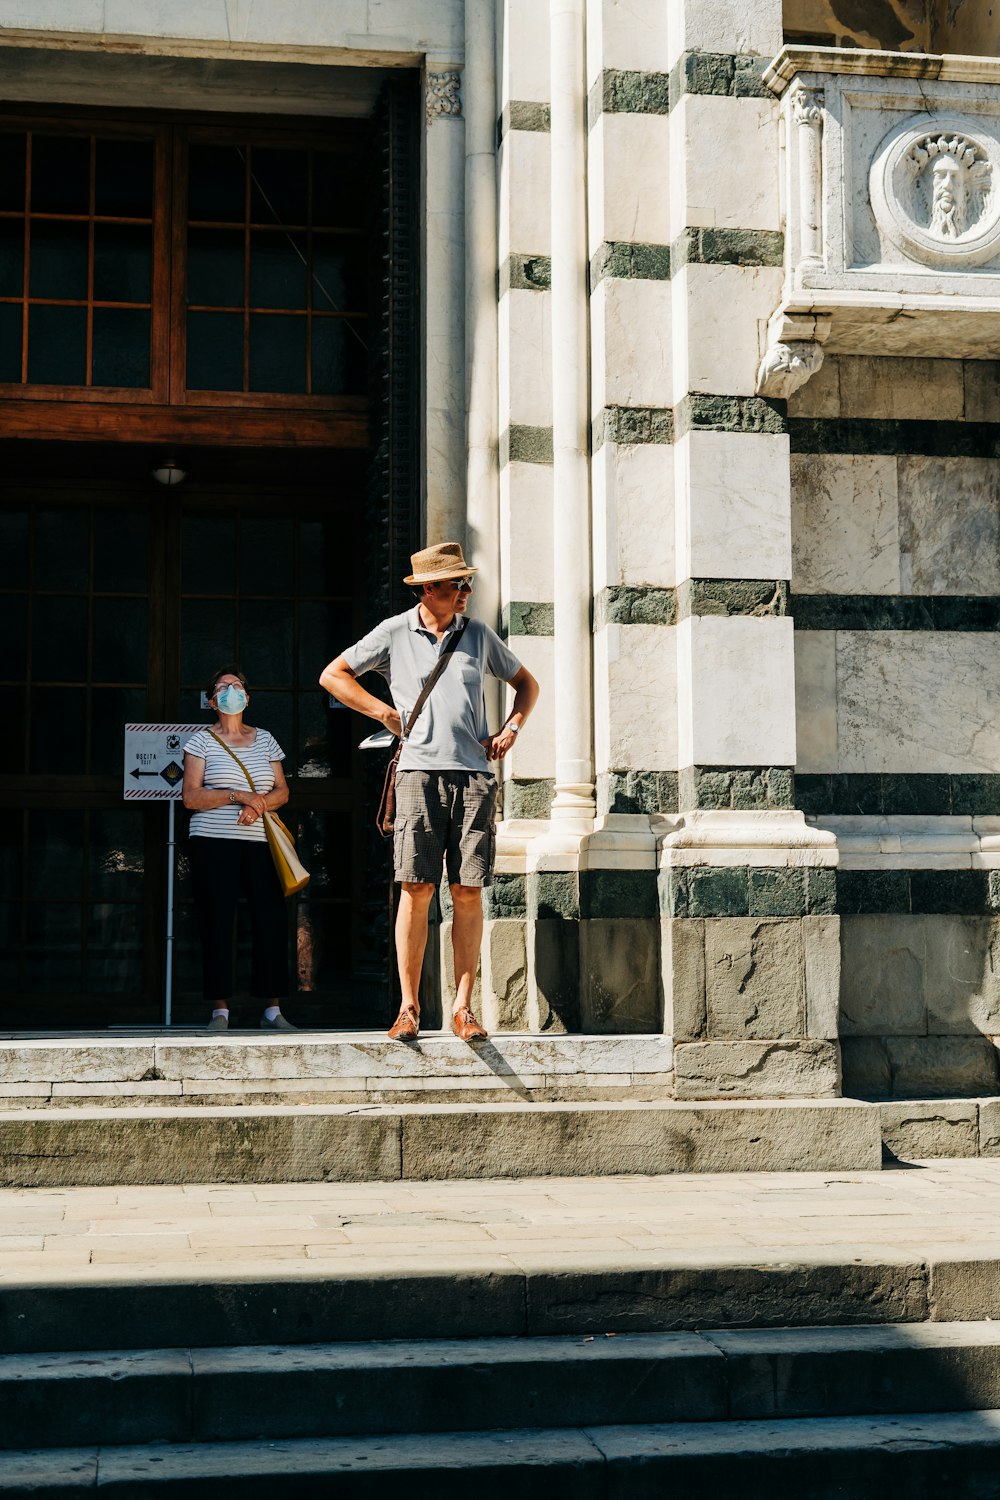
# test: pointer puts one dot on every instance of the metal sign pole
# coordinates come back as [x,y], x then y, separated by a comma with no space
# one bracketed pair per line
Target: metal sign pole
[169,976]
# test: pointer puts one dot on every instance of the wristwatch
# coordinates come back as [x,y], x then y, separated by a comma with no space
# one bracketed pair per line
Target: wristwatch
[514,728]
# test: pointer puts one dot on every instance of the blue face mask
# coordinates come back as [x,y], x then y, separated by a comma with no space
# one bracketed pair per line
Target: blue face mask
[231,699]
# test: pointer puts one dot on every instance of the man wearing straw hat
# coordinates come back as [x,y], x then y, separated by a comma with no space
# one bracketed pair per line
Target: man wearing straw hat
[446,793]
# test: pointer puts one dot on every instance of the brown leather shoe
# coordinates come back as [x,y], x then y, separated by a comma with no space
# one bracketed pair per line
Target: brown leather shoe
[466,1027]
[406,1026]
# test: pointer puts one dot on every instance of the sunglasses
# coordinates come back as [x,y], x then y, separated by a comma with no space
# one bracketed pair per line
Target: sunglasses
[464,584]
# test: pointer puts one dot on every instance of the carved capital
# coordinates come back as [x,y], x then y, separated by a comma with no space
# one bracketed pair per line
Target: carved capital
[807,105]
[787,366]
[444,96]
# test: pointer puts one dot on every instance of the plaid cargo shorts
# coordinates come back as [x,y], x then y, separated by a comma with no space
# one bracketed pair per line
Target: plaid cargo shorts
[445,818]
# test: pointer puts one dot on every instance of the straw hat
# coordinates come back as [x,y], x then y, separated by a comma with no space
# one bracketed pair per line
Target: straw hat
[436,563]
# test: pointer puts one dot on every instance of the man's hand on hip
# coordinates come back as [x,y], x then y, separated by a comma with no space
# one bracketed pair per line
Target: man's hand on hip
[497,745]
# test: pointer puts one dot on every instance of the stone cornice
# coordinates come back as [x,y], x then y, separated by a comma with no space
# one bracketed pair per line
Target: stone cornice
[791,61]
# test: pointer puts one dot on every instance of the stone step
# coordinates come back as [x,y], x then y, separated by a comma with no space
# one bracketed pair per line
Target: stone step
[491,1298]
[248,1068]
[370,1142]
[921,1456]
[332,1390]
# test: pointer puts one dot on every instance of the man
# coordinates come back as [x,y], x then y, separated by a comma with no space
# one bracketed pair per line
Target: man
[445,791]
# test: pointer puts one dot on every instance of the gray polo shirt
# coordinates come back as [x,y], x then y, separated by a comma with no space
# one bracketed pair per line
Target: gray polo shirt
[453,720]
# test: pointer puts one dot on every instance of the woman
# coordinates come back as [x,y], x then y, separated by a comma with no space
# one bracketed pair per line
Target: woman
[229,850]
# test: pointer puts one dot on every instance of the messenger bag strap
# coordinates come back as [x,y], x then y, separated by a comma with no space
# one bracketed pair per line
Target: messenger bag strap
[425,691]
[235,758]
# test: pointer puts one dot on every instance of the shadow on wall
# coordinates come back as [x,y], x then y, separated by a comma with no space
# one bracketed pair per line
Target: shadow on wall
[920,1004]
[895,25]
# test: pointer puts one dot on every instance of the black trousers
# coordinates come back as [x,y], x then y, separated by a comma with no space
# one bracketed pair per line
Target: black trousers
[221,869]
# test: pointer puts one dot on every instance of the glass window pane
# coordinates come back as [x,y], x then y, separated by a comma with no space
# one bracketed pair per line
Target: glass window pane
[340,273]
[14,635]
[123,263]
[62,553]
[55,854]
[339,189]
[321,558]
[110,710]
[339,358]
[325,629]
[266,642]
[209,556]
[53,957]
[57,731]
[114,950]
[13,702]
[208,637]
[266,547]
[124,184]
[11,257]
[11,842]
[58,261]
[115,860]
[13,548]
[277,353]
[277,270]
[323,943]
[121,347]
[12,159]
[121,547]
[59,638]
[273,711]
[278,186]
[326,737]
[215,268]
[10,341]
[120,640]
[327,837]
[57,345]
[216,183]
[60,174]
[215,352]
[10,947]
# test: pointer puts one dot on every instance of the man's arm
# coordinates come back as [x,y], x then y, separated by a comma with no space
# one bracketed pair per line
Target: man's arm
[340,681]
[525,697]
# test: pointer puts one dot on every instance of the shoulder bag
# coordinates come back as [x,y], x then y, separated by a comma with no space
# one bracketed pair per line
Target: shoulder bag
[386,815]
[292,874]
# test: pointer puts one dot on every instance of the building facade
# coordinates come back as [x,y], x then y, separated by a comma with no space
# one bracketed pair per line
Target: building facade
[680,315]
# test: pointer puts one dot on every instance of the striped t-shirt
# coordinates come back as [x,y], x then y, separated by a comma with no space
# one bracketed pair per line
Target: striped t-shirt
[222,772]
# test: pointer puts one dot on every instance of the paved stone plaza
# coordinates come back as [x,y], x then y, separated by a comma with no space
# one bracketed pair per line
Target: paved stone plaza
[933,1210]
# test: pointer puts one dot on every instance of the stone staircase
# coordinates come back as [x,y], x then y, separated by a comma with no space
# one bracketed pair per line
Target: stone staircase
[595,1382]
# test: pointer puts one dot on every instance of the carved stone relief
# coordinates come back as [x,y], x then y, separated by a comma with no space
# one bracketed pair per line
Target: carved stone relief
[935,190]
[443,94]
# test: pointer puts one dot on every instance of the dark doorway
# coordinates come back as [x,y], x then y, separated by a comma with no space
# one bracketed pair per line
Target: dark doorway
[266,279]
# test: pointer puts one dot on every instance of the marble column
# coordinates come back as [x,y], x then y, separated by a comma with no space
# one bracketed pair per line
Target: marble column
[444,303]
[573,807]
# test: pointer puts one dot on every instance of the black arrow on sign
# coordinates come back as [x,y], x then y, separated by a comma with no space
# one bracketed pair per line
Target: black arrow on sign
[137,773]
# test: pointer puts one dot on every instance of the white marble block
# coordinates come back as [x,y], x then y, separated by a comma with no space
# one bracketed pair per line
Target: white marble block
[525,175]
[845,524]
[534,754]
[526,531]
[719,319]
[525,362]
[635,702]
[906,701]
[628,180]
[732,505]
[735,691]
[724,26]
[724,162]
[523,37]
[628,36]
[630,344]
[633,503]
[949,524]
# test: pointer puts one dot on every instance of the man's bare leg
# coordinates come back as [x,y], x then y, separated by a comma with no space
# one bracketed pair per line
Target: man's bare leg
[411,940]
[466,941]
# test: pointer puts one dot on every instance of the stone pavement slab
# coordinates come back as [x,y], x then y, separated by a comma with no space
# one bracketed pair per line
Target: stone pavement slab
[946,1211]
